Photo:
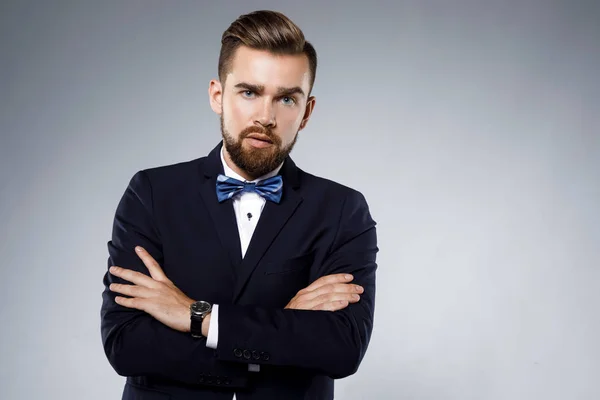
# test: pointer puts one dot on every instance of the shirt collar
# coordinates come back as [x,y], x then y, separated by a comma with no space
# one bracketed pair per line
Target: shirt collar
[232,174]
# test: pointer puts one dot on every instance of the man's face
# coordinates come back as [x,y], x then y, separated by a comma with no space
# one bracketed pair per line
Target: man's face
[263,104]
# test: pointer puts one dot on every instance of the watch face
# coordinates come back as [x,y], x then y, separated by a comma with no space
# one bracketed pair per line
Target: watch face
[200,307]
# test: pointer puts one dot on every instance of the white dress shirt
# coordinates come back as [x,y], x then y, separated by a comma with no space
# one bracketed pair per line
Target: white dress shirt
[247,206]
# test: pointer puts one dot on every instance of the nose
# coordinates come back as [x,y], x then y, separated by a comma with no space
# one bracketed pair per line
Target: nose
[266,115]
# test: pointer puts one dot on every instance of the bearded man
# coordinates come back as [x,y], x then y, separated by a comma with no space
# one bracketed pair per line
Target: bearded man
[239,275]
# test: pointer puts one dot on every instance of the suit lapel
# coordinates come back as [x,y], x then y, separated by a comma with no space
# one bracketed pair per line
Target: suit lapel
[222,214]
[272,220]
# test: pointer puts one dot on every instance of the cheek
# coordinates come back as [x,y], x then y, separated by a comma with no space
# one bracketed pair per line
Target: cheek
[236,116]
[241,110]
[291,120]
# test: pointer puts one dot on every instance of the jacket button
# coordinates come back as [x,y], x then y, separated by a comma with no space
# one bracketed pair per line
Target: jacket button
[247,354]
[237,353]
[256,355]
[201,379]
[266,356]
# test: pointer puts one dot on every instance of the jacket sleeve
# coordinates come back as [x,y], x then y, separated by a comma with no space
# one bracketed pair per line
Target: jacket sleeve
[136,343]
[332,343]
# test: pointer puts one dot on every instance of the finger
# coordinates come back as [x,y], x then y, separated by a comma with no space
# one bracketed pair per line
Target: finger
[329,279]
[133,276]
[349,297]
[130,290]
[153,267]
[130,302]
[329,297]
[334,288]
[331,306]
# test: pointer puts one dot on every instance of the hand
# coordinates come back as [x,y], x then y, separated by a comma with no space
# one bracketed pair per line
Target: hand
[328,293]
[156,295]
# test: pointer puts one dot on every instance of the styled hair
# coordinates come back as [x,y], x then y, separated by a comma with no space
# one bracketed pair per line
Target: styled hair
[265,30]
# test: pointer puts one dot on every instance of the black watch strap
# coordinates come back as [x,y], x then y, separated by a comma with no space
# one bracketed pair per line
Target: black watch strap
[196,326]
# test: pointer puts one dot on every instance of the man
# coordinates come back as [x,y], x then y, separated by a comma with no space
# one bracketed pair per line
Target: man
[239,274]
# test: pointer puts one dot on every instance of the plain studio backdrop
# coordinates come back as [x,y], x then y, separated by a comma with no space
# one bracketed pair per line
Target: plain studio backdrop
[472,128]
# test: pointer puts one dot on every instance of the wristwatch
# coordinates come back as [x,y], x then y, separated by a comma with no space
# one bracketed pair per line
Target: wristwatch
[198,311]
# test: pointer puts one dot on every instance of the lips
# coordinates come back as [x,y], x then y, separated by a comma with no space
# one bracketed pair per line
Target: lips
[262,138]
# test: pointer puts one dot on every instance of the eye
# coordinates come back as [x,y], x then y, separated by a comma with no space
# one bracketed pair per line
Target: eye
[248,93]
[288,101]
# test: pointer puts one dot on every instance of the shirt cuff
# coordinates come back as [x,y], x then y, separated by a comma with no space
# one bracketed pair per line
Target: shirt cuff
[213,329]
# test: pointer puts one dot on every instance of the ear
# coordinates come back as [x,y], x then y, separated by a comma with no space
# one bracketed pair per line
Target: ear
[215,96]
[310,106]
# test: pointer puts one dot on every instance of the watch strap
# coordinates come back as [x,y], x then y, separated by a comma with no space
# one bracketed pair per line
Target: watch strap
[196,326]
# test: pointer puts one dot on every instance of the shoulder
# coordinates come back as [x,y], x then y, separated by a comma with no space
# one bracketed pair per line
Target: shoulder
[169,178]
[176,172]
[330,191]
[172,171]
[347,204]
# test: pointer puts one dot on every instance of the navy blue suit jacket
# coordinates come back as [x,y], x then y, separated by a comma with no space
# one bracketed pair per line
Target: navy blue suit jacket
[319,228]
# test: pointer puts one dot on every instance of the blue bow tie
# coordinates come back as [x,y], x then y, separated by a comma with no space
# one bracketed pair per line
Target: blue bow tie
[270,188]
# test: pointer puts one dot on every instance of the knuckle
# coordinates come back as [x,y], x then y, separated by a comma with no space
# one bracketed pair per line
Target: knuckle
[350,288]
[340,297]
[342,287]
[157,285]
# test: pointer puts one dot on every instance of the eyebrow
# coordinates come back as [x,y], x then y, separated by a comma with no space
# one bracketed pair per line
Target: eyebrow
[281,91]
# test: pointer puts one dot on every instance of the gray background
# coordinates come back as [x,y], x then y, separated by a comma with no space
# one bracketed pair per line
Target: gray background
[471,127]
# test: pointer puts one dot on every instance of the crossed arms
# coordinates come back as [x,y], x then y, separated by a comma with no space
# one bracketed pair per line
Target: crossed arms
[146,333]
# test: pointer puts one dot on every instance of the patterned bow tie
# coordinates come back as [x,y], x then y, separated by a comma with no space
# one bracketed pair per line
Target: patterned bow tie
[270,188]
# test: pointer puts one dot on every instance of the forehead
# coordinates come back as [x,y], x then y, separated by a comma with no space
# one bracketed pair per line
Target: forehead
[260,67]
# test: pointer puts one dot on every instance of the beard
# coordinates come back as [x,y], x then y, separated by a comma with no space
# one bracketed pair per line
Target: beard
[256,162]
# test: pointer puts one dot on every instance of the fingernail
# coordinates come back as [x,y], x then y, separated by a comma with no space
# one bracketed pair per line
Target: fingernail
[348,276]
[359,288]
[113,269]
[138,249]
[355,296]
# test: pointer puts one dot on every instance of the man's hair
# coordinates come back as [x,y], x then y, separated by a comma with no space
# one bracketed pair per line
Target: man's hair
[265,30]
